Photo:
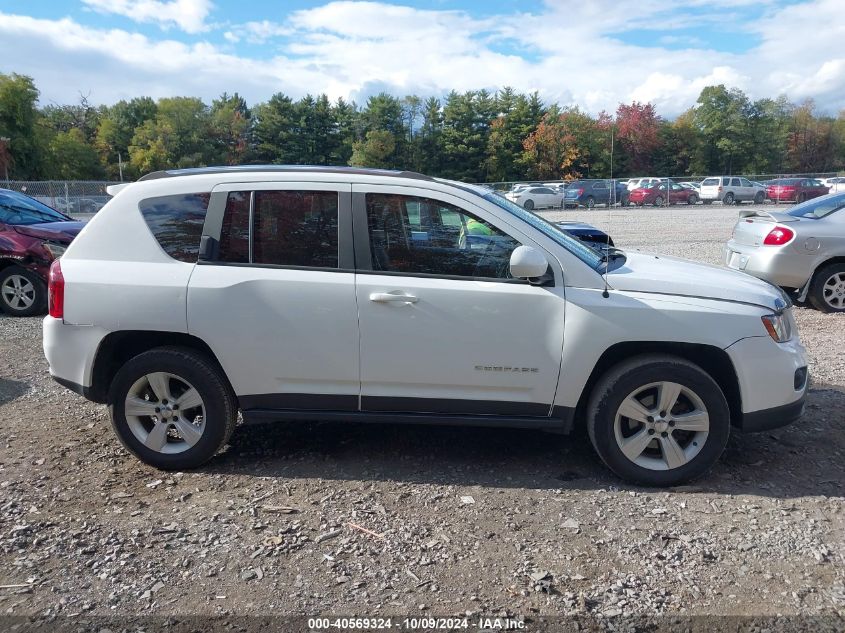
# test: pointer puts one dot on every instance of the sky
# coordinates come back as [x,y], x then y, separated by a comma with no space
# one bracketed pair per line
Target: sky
[590,53]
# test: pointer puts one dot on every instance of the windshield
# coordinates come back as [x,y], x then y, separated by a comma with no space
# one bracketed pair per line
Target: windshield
[586,254]
[818,207]
[18,209]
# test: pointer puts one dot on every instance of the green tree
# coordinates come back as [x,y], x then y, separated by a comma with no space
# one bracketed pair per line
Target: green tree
[72,157]
[18,120]
[722,117]
[376,150]
[116,128]
[230,122]
[179,136]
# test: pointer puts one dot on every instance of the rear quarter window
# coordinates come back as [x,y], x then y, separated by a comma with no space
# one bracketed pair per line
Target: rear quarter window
[176,222]
[710,182]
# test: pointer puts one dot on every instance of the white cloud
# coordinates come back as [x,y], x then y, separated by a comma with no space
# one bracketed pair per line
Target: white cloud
[571,53]
[188,15]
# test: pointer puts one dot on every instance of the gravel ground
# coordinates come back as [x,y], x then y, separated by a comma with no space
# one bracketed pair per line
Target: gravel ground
[368,520]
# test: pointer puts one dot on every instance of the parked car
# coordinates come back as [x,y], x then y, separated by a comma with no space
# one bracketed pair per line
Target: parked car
[731,190]
[352,294]
[656,194]
[692,186]
[589,193]
[802,250]
[794,189]
[637,183]
[588,233]
[536,197]
[834,185]
[32,236]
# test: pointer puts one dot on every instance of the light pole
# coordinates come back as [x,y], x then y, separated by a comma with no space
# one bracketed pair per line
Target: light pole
[4,156]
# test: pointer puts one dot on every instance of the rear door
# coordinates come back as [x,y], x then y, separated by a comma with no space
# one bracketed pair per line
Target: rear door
[276,303]
[444,328]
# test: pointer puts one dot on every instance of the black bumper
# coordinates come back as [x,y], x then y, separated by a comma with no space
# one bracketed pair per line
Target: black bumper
[85,392]
[775,418]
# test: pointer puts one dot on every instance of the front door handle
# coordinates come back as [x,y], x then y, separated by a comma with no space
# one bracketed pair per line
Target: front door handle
[385,297]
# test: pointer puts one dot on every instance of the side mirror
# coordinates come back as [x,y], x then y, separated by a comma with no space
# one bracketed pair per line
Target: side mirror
[527,263]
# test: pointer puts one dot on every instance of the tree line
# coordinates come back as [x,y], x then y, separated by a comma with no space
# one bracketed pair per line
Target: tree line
[474,136]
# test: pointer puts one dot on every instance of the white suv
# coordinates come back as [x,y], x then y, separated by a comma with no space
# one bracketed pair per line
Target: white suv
[732,190]
[295,293]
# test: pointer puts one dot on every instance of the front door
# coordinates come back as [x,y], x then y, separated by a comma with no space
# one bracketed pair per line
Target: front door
[277,303]
[444,328]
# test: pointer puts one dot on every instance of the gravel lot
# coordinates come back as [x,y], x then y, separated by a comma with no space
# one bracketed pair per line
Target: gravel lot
[367,520]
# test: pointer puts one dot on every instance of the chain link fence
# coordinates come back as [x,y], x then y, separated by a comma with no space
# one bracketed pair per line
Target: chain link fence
[67,196]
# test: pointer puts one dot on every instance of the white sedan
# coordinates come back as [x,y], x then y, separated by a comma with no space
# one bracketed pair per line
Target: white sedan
[536,197]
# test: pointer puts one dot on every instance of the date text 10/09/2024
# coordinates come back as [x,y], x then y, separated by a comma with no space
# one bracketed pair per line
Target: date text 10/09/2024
[423,623]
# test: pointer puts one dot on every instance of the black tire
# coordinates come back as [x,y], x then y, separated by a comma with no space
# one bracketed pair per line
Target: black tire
[801,197]
[626,378]
[590,202]
[759,197]
[626,202]
[693,199]
[658,201]
[36,292]
[198,371]
[816,295]
[707,202]
[528,205]
[728,199]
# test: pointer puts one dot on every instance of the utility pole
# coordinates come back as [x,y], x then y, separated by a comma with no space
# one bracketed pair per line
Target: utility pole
[120,166]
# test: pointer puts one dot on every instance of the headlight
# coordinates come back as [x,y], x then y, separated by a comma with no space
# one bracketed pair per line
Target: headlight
[778,326]
[56,250]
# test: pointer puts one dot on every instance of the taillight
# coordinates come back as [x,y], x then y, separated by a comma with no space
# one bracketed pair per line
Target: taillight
[56,290]
[720,188]
[778,236]
[580,191]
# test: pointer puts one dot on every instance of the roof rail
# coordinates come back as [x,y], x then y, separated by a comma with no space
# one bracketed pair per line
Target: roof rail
[196,171]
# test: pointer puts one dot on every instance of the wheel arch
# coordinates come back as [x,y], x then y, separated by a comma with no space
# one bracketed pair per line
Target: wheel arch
[838,259]
[118,347]
[713,360]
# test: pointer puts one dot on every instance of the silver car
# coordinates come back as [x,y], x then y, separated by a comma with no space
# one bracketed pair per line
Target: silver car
[802,249]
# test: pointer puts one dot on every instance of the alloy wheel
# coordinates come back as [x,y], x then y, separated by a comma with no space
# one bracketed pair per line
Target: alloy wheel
[833,291]
[18,292]
[661,426]
[165,412]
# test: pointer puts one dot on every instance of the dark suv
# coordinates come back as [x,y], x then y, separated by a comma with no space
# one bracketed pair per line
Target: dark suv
[32,235]
[589,193]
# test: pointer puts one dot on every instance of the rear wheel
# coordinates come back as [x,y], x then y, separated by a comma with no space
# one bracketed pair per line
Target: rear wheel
[801,197]
[827,290]
[658,201]
[658,420]
[590,202]
[22,292]
[728,199]
[693,199]
[528,204]
[172,408]
[759,197]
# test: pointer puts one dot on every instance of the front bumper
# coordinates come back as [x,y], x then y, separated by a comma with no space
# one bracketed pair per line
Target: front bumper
[770,392]
[779,265]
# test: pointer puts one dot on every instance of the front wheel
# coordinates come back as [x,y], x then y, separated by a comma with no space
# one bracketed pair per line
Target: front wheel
[658,201]
[590,202]
[827,290]
[658,420]
[693,199]
[22,292]
[800,198]
[172,408]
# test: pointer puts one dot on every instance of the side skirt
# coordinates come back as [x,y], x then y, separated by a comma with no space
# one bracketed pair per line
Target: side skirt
[561,423]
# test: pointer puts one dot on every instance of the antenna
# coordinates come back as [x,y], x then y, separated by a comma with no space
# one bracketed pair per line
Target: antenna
[611,197]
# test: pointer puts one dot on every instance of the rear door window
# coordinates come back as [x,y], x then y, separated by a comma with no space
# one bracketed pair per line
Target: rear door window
[176,222]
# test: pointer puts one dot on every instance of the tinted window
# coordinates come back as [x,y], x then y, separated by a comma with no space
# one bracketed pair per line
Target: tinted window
[744,182]
[295,228]
[176,222]
[445,240]
[234,235]
[735,182]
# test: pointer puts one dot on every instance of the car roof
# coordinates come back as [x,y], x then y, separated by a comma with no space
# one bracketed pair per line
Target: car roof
[234,169]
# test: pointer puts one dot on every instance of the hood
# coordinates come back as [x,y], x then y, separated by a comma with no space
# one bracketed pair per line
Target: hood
[660,274]
[58,231]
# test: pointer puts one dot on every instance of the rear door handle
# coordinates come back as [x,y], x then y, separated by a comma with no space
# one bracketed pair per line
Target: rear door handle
[385,297]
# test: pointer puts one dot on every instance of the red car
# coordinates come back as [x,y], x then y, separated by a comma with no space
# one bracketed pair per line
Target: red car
[656,194]
[32,235]
[794,189]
